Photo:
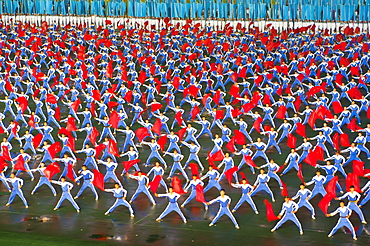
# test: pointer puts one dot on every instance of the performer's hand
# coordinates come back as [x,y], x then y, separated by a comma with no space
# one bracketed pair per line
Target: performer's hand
[327,215]
[155,194]
[336,198]
[279,216]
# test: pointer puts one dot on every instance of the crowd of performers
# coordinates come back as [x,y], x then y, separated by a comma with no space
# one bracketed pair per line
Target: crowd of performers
[164,90]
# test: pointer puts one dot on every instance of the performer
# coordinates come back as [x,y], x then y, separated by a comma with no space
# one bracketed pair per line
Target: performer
[213,176]
[224,201]
[344,213]
[288,210]
[261,185]
[17,184]
[120,194]
[193,184]
[172,205]
[246,192]
[88,178]
[353,198]
[142,186]
[304,196]
[43,180]
[66,193]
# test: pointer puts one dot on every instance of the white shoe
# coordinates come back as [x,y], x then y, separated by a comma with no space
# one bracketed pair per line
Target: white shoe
[55,208]
[301,232]
[32,193]
[106,213]
[185,221]
[364,222]
[97,198]
[8,204]
[233,211]
[272,230]
[76,197]
[313,217]
[273,200]
[182,206]
[210,224]
[330,235]
[26,206]
[78,211]
[256,212]
[237,227]
[354,238]
[132,215]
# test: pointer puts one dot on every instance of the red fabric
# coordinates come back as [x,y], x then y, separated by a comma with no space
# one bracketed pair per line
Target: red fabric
[155,106]
[331,186]
[71,173]
[54,149]
[50,98]
[239,137]
[248,107]
[31,121]
[270,214]
[301,129]
[248,161]
[57,113]
[181,133]
[19,165]
[336,141]
[178,118]
[257,124]
[23,103]
[284,191]
[51,170]
[64,131]
[112,148]
[353,126]
[337,107]
[324,203]
[36,140]
[300,174]
[217,97]
[200,194]
[343,139]
[155,183]
[236,112]
[195,112]
[71,124]
[219,114]
[311,159]
[98,181]
[312,119]
[280,114]
[177,186]
[297,103]
[96,95]
[76,104]
[128,164]
[353,179]
[319,153]
[99,149]
[229,173]
[354,93]
[71,143]
[162,141]
[93,135]
[292,140]
[230,145]
[114,119]
[157,126]
[358,168]
[141,133]
[234,90]
[112,104]
[218,156]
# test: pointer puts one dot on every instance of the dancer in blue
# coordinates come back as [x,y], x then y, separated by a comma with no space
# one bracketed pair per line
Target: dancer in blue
[88,178]
[261,184]
[172,205]
[272,169]
[304,196]
[229,163]
[366,191]
[330,173]
[288,213]
[158,170]
[286,128]
[194,149]
[110,170]
[354,153]
[272,135]
[344,214]
[321,139]
[17,184]
[224,201]
[132,155]
[66,193]
[90,156]
[154,147]
[319,181]
[142,187]
[292,158]
[176,164]
[244,152]
[353,198]
[192,185]
[120,194]
[260,149]
[214,181]
[338,162]
[246,195]
[43,179]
